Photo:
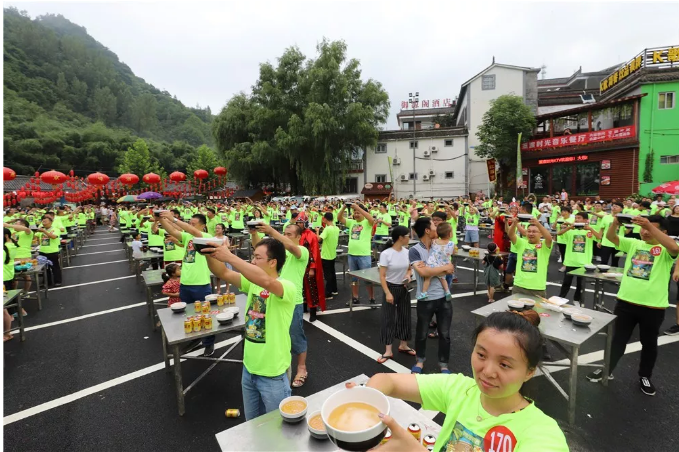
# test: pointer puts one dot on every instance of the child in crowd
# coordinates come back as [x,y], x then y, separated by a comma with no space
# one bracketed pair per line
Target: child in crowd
[113,221]
[442,250]
[137,252]
[491,272]
[171,277]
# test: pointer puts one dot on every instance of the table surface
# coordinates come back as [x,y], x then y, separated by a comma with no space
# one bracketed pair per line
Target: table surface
[596,274]
[34,269]
[269,432]
[153,277]
[9,296]
[482,253]
[372,275]
[555,326]
[148,255]
[173,323]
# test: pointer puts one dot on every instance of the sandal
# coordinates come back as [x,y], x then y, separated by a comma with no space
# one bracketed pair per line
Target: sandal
[383,359]
[416,369]
[407,351]
[433,335]
[7,337]
[299,380]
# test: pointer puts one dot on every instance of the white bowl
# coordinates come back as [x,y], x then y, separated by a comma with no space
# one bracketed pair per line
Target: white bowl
[624,218]
[579,225]
[199,243]
[570,311]
[314,432]
[528,303]
[224,317]
[603,268]
[178,307]
[292,418]
[233,309]
[515,305]
[358,440]
[466,247]
[212,298]
[581,319]
[590,268]
[524,216]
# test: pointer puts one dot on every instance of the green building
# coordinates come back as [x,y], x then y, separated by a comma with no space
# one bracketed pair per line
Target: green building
[654,74]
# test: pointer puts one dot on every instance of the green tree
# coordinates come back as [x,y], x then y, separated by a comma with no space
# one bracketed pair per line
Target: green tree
[104,105]
[144,112]
[62,86]
[446,120]
[204,158]
[137,160]
[505,119]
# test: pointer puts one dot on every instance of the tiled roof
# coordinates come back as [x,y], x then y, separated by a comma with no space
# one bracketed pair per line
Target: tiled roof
[587,107]
[645,75]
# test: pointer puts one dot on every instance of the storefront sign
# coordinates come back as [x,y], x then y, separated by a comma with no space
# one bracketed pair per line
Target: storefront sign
[605,164]
[435,103]
[605,180]
[572,158]
[491,169]
[599,136]
[647,58]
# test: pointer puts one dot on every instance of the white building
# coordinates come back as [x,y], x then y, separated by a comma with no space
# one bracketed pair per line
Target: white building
[474,100]
[434,170]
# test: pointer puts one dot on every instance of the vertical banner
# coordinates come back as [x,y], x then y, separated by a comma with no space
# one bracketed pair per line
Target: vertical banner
[519,167]
[391,172]
[491,169]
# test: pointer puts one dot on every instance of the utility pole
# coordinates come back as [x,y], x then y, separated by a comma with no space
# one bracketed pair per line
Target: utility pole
[413,103]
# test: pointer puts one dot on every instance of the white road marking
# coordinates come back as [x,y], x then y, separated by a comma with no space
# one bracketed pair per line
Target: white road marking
[89,283]
[102,244]
[86,316]
[99,252]
[91,265]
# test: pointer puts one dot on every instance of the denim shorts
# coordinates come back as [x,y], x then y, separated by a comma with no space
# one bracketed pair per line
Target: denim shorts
[297,336]
[471,236]
[358,263]
[511,263]
[262,395]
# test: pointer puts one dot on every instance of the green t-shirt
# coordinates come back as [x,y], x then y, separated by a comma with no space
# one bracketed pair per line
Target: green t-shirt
[579,248]
[157,239]
[596,223]
[512,247]
[236,219]
[556,213]
[605,224]
[382,229]
[330,237]
[531,265]
[453,224]
[195,271]
[403,218]
[360,234]
[646,274]
[223,218]
[211,223]
[293,271]
[527,430]
[316,219]
[471,219]
[8,268]
[58,226]
[171,251]
[48,245]
[561,238]
[82,219]
[25,241]
[267,328]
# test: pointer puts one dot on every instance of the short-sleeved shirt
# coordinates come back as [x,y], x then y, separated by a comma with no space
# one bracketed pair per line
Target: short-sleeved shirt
[195,271]
[532,263]
[360,234]
[293,270]
[267,328]
[8,268]
[382,229]
[48,245]
[579,248]
[419,253]
[526,430]
[646,274]
[396,263]
[560,238]
[330,237]
[25,242]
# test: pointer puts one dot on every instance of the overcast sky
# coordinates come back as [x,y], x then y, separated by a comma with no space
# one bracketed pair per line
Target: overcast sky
[205,52]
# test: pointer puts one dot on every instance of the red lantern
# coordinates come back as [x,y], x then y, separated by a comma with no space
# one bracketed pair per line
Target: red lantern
[53,177]
[8,174]
[151,178]
[98,179]
[220,171]
[200,174]
[128,179]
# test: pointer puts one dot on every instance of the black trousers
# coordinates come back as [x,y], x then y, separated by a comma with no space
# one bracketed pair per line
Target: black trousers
[329,276]
[649,320]
[608,252]
[444,315]
[396,316]
[54,273]
[562,250]
[566,285]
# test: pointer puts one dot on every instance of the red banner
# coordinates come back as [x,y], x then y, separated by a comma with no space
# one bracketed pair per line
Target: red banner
[491,169]
[619,133]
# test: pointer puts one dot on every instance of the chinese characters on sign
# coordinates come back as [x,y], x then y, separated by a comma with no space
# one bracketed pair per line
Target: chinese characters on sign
[605,164]
[435,103]
[573,158]
[491,169]
[651,57]
[605,180]
[598,136]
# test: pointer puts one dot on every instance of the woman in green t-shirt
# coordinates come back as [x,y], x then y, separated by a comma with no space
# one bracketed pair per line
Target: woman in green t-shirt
[487,411]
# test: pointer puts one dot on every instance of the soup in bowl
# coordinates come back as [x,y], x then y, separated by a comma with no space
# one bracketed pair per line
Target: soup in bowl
[350,418]
[293,408]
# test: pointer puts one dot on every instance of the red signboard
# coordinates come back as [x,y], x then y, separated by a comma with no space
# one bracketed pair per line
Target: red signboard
[572,158]
[491,169]
[578,139]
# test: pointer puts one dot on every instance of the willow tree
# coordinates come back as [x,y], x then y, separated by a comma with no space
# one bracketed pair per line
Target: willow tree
[303,121]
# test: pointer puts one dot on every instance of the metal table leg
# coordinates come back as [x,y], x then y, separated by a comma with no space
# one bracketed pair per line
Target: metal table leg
[607,353]
[20,311]
[37,290]
[476,274]
[165,355]
[573,385]
[44,281]
[178,386]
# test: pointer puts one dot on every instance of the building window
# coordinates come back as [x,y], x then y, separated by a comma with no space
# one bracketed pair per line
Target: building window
[381,148]
[666,100]
[450,174]
[488,82]
[587,180]
[380,178]
[413,145]
[412,176]
[669,159]
[448,143]
[539,181]
[562,177]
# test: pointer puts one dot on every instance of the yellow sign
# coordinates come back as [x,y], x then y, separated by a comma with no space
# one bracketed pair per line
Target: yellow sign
[647,58]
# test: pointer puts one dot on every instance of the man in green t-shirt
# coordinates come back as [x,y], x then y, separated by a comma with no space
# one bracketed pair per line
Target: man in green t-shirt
[212,221]
[533,258]
[50,244]
[360,231]
[643,295]
[268,316]
[329,239]
[383,223]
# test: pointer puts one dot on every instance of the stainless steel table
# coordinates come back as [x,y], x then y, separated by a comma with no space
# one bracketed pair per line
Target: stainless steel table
[37,271]
[268,432]
[462,254]
[556,327]
[600,279]
[174,336]
[10,299]
[146,256]
[370,275]
[152,278]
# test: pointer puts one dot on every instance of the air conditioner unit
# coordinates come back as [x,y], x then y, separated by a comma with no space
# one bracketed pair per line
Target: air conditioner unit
[396,161]
[427,153]
[404,177]
[434,149]
[432,173]
[425,177]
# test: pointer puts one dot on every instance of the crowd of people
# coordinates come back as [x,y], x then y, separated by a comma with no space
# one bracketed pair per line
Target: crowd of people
[292,271]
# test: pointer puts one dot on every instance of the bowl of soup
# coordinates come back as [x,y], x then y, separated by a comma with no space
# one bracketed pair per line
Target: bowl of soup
[293,408]
[200,243]
[350,418]
[314,422]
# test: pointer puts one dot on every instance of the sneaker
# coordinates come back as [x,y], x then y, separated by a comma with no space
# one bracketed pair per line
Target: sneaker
[598,258]
[562,269]
[353,301]
[672,331]
[598,375]
[328,297]
[209,350]
[559,261]
[373,302]
[646,386]
[335,293]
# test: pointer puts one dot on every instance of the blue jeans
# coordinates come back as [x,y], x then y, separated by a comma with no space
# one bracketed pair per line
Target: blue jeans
[358,263]
[297,337]
[189,294]
[262,395]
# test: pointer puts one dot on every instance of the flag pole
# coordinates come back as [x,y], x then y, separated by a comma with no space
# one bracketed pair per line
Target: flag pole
[519,166]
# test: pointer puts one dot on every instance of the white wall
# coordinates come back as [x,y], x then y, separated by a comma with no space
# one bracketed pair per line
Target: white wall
[436,187]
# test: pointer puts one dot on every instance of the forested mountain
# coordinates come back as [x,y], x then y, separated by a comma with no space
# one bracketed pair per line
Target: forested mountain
[69,103]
